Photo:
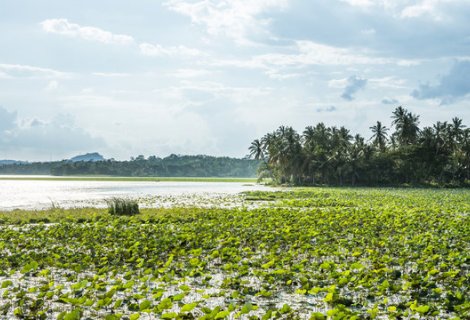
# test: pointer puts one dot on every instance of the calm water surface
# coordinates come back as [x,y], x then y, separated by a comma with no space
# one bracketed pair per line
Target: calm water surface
[29,194]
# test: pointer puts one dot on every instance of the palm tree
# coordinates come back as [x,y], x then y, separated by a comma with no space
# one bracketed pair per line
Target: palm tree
[379,136]
[290,153]
[270,146]
[256,150]
[356,154]
[322,154]
[411,128]
[398,116]
[441,135]
[456,130]
[406,126]
[341,140]
[308,137]
[308,140]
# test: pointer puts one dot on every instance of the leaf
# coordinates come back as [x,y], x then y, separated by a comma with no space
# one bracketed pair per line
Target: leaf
[33,265]
[185,288]
[145,305]
[222,314]
[73,315]
[317,316]
[357,266]
[117,304]
[178,297]
[134,316]
[169,315]
[194,262]
[329,297]
[169,261]
[246,308]
[392,309]
[422,309]
[268,264]
[285,309]
[189,307]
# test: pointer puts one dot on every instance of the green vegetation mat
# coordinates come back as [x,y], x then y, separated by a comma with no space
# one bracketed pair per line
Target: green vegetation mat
[307,254]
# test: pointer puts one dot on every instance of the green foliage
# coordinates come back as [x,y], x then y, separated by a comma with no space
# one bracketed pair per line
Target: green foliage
[171,166]
[432,156]
[123,207]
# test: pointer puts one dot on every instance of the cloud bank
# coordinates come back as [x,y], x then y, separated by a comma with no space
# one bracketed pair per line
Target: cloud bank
[450,87]
[354,84]
[59,135]
[73,30]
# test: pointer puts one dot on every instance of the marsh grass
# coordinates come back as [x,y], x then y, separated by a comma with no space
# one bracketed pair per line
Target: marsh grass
[123,207]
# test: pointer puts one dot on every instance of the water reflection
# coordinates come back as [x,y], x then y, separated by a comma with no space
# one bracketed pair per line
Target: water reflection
[40,194]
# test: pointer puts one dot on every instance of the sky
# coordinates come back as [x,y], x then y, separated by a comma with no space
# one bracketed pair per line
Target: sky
[150,77]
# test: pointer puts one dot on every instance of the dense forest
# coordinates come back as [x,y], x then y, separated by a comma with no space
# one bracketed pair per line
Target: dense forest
[171,166]
[437,155]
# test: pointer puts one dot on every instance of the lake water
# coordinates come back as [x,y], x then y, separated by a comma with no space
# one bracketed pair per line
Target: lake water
[41,194]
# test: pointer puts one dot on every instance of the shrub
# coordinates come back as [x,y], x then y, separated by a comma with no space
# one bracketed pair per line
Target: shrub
[123,207]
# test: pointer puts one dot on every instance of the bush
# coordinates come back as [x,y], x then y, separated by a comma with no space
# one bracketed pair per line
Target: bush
[123,207]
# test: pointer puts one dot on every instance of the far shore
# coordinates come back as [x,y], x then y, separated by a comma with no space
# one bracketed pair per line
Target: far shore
[113,178]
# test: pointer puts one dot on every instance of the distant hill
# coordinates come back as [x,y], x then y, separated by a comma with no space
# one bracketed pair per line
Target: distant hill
[8,162]
[93,157]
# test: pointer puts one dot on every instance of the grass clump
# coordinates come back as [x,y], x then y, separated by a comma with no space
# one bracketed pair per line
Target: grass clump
[123,207]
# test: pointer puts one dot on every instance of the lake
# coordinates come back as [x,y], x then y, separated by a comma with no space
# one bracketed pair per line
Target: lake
[43,194]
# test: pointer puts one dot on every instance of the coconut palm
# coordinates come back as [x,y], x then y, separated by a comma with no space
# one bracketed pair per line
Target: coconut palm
[256,150]
[406,126]
[379,137]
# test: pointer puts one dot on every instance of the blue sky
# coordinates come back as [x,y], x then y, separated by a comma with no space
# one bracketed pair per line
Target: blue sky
[207,77]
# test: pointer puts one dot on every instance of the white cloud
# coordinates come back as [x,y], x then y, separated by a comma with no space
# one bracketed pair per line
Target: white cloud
[369,32]
[307,53]
[315,53]
[8,120]
[451,87]
[42,138]
[388,82]
[219,90]
[390,101]
[338,83]
[426,7]
[111,74]
[326,109]
[190,73]
[359,3]
[30,72]
[353,85]
[157,50]
[66,28]
[164,125]
[281,75]
[52,85]
[406,8]
[235,19]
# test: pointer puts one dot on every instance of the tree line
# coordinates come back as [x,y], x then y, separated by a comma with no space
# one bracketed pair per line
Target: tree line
[171,166]
[321,155]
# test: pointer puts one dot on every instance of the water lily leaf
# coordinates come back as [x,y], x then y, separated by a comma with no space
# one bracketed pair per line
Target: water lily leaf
[189,307]
[222,314]
[170,315]
[145,305]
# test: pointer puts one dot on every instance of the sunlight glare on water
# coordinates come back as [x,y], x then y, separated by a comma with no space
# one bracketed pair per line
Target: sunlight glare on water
[40,194]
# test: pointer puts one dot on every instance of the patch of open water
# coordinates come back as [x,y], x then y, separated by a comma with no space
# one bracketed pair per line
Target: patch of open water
[43,194]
